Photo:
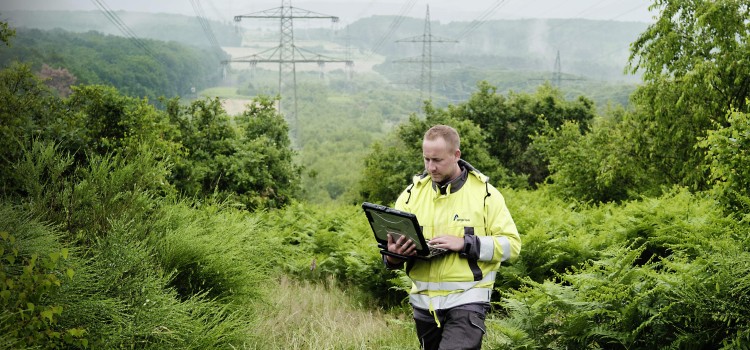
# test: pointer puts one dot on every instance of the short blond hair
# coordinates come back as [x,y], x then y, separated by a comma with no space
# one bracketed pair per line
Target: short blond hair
[447,133]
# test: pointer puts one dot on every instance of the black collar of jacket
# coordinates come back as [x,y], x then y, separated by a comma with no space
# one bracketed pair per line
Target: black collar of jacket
[454,184]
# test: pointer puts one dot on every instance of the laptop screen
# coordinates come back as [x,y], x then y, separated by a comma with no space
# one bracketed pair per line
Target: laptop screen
[384,220]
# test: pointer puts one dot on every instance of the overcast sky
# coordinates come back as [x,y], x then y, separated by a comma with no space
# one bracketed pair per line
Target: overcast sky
[350,10]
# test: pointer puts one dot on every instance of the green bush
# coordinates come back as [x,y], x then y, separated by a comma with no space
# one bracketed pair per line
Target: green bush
[85,200]
[28,317]
[135,303]
[33,268]
[670,273]
[596,166]
[247,159]
[508,122]
[216,251]
[729,155]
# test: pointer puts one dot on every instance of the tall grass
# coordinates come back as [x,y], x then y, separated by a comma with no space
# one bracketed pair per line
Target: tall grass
[303,315]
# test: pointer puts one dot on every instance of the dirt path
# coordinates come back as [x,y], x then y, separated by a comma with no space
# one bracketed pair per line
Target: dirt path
[234,106]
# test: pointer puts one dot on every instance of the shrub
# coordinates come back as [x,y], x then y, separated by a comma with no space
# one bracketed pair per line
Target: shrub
[728,149]
[33,267]
[216,251]
[595,166]
[670,274]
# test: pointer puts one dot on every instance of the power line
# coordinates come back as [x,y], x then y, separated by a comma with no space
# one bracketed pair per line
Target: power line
[473,25]
[394,25]
[205,25]
[112,17]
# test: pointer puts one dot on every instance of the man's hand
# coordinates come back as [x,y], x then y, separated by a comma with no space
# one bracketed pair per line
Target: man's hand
[400,245]
[453,243]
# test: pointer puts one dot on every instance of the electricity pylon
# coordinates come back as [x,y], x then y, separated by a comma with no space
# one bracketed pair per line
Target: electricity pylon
[425,78]
[557,74]
[285,53]
[558,70]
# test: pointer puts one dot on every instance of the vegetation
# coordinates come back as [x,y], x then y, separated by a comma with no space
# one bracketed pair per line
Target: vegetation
[129,224]
[165,27]
[143,69]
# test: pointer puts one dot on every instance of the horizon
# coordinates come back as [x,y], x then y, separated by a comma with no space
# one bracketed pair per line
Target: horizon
[443,11]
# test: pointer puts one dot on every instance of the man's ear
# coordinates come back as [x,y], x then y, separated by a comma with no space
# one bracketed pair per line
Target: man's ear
[458,154]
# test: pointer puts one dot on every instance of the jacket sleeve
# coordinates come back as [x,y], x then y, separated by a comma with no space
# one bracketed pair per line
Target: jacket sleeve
[502,241]
[400,205]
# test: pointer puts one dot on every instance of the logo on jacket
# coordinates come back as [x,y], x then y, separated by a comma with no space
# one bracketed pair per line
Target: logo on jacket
[456,218]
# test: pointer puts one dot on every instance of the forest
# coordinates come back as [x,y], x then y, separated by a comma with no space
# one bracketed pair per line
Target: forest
[134,214]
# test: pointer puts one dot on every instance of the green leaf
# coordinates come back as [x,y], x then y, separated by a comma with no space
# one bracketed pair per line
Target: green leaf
[48,314]
[77,332]
[69,272]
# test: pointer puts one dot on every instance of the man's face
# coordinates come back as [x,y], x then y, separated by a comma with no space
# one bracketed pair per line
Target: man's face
[439,160]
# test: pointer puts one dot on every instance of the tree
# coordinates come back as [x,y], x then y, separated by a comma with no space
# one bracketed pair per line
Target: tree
[694,62]
[595,166]
[101,120]
[508,123]
[59,79]
[6,33]
[728,150]
[165,69]
[28,110]
[270,158]
[247,159]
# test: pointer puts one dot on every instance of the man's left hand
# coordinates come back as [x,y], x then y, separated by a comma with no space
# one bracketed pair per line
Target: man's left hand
[453,243]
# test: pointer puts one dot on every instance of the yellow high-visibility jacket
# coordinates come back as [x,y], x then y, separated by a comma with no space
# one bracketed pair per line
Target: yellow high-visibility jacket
[476,209]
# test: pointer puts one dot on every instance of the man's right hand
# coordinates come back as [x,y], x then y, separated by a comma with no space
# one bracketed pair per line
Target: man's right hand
[400,245]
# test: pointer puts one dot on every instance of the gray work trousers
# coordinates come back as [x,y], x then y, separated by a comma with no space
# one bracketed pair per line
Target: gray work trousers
[459,329]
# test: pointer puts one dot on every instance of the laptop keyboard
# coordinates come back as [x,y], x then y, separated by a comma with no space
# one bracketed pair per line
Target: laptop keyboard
[434,251]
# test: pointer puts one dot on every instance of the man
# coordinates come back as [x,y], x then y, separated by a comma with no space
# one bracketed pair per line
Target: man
[461,211]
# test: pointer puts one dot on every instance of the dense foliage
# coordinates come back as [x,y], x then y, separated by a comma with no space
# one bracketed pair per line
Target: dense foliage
[509,122]
[248,158]
[151,69]
[666,272]
[727,150]
[695,70]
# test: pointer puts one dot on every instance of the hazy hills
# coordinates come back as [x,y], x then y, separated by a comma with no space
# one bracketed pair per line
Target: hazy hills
[581,56]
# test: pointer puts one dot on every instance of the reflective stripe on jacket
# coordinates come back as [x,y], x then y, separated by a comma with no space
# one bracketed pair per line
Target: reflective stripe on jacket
[477,208]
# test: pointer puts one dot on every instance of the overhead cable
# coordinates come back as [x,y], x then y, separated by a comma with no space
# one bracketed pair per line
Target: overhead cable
[112,17]
[205,25]
[406,8]
[481,20]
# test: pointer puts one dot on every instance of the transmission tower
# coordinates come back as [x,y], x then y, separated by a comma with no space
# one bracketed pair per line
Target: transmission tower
[558,70]
[557,74]
[425,78]
[286,54]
